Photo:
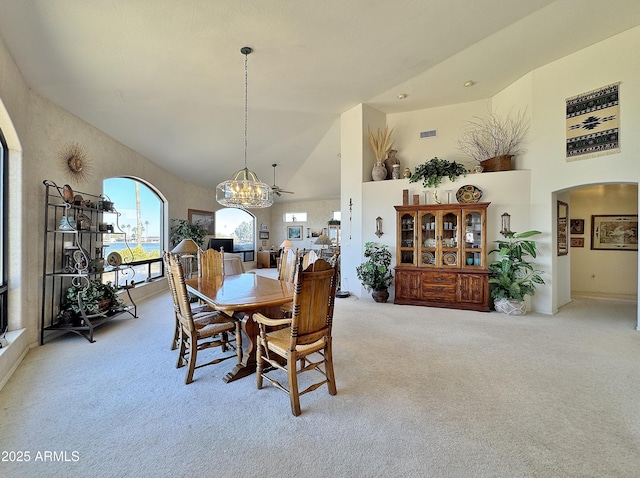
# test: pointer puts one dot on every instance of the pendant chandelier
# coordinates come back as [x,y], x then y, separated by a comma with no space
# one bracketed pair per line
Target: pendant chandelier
[244,190]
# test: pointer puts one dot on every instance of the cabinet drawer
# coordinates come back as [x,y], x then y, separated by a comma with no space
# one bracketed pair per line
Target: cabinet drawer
[438,278]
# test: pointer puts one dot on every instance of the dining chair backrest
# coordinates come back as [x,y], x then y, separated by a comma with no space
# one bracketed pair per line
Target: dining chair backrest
[313,302]
[176,275]
[309,258]
[211,263]
[287,265]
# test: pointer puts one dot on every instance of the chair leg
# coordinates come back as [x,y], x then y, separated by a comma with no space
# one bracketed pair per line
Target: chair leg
[294,396]
[191,362]
[328,368]
[176,335]
[259,364]
[182,345]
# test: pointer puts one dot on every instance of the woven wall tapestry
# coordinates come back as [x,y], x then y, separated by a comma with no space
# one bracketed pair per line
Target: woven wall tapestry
[593,123]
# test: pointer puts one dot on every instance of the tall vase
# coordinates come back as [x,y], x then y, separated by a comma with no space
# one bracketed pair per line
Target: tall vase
[379,172]
[390,162]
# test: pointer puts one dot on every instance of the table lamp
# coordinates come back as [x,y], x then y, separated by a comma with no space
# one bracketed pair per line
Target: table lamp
[186,250]
[323,240]
[286,245]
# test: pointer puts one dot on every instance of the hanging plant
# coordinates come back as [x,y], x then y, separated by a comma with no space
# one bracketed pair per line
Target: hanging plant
[431,172]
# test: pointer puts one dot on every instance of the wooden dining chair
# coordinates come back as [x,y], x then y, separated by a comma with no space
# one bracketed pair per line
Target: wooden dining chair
[305,344]
[200,313]
[287,265]
[218,330]
[211,263]
[309,258]
[288,260]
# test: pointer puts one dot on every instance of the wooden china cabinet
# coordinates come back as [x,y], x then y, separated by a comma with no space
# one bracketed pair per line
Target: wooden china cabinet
[441,256]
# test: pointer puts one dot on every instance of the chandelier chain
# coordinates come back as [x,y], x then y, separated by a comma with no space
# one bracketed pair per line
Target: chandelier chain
[246,103]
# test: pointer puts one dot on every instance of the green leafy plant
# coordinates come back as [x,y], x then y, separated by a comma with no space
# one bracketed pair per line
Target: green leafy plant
[431,172]
[375,272]
[92,296]
[511,276]
[185,230]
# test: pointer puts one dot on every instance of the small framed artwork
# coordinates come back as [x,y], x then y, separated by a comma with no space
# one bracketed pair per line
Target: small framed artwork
[294,233]
[264,243]
[577,242]
[264,235]
[576,226]
[316,232]
[614,233]
[264,227]
[204,218]
[563,218]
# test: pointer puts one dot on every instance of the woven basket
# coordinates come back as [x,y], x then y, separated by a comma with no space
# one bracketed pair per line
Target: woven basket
[498,163]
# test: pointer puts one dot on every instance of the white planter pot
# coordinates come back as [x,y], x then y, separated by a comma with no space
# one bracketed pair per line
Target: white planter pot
[510,307]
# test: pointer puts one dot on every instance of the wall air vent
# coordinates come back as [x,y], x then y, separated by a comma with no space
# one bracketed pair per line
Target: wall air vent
[428,134]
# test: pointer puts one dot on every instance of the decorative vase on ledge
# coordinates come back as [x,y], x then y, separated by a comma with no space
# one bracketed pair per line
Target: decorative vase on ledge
[498,163]
[379,172]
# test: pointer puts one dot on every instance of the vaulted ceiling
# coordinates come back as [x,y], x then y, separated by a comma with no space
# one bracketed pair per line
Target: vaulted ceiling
[166,77]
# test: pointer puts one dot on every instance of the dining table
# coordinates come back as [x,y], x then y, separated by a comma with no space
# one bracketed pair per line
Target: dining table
[241,296]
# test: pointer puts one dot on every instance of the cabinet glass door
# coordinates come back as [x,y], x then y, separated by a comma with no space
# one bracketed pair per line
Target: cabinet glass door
[449,239]
[473,240]
[428,239]
[406,227]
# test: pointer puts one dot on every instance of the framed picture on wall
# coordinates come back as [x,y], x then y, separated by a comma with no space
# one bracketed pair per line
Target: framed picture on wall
[204,218]
[614,233]
[576,226]
[264,235]
[577,242]
[294,233]
[563,228]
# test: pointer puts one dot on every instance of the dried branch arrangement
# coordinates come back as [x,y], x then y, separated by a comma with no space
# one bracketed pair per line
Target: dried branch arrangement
[381,142]
[487,137]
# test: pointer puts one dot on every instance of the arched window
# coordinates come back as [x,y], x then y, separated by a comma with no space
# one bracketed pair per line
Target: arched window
[138,229]
[239,225]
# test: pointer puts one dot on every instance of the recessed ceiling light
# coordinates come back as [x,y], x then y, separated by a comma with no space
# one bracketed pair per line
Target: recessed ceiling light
[402,96]
[468,83]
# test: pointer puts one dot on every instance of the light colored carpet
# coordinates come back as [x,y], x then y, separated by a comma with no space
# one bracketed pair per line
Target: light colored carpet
[421,392]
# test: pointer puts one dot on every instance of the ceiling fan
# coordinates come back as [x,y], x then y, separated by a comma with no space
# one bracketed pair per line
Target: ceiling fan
[276,189]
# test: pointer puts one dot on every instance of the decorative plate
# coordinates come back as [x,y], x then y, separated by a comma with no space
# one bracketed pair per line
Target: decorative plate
[427,258]
[468,194]
[114,259]
[449,258]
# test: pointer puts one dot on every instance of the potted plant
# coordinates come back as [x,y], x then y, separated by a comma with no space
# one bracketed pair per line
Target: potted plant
[511,276]
[96,297]
[375,272]
[493,141]
[431,172]
[185,230]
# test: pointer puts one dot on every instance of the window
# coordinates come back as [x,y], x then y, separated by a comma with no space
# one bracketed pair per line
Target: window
[295,217]
[4,231]
[137,229]
[337,215]
[239,225]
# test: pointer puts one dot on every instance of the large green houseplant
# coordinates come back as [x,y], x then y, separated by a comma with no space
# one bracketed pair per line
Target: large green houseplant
[183,229]
[511,276]
[375,272]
